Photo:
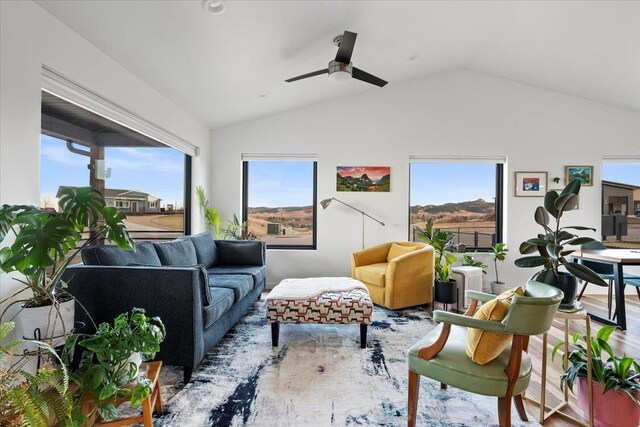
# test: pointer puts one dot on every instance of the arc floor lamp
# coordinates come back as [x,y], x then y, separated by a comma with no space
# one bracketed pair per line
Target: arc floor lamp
[326,202]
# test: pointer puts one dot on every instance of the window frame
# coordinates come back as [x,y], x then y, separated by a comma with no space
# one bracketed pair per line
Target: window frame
[245,203]
[499,201]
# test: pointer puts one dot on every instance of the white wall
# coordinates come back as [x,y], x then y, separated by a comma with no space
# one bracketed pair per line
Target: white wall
[456,113]
[31,37]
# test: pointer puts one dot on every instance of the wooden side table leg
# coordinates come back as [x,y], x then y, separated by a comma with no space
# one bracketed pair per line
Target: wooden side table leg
[158,401]
[565,358]
[147,412]
[543,378]
[587,320]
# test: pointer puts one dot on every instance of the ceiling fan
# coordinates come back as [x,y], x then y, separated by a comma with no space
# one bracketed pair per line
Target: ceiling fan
[341,68]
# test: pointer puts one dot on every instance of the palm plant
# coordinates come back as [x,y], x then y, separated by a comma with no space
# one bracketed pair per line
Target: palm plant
[210,213]
[46,242]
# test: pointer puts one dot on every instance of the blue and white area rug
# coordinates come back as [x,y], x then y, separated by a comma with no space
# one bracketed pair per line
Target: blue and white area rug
[318,376]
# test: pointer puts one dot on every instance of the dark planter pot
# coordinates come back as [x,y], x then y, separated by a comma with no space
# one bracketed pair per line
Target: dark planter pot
[568,284]
[446,292]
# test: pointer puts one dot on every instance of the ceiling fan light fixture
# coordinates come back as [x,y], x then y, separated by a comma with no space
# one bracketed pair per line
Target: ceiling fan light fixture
[339,72]
[215,7]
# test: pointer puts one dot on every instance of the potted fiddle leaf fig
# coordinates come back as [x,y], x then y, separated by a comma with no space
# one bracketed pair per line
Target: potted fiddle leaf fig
[442,242]
[44,243]
[615,380]
[498,253]
[551,245]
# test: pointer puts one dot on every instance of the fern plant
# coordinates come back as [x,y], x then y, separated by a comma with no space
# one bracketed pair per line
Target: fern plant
[210,213]
[34,399]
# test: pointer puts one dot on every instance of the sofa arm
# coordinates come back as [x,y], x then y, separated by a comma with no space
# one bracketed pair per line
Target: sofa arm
[406,272]
[172,293]
[241,252]
[372,255]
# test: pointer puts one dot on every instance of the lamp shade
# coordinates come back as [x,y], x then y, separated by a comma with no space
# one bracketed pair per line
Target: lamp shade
[325,203]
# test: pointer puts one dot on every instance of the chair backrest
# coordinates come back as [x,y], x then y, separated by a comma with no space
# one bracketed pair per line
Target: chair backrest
[533,313]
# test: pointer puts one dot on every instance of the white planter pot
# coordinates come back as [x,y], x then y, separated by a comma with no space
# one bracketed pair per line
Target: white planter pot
[51,324]
[498,287]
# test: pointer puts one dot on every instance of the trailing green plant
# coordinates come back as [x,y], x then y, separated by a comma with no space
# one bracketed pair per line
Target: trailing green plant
[621,374]
[236,230]
[499,253]
[34,399]
[106,369]
[45,241]
[550,244]
[442,242]
[469,260]
[210,213]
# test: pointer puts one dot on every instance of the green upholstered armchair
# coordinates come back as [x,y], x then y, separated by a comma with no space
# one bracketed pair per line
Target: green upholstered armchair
[441,355]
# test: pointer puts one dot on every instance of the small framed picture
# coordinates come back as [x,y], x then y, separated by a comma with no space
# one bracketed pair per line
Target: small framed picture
[583,173]
[531,184]
[559,190]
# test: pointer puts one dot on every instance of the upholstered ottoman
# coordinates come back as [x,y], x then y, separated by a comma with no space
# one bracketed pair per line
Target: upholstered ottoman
[319,300]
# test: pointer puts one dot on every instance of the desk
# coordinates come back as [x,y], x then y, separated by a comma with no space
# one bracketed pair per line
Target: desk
[154,401]
[617,258]
[544,415]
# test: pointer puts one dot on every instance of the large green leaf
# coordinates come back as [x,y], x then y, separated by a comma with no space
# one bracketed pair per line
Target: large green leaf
[538,242]
[531,261]
[566,202]
[578,241]
[114,229]
[527,248]
[554,250]
[81,206]
[546,276]
[541,216]
[584,273]
[549,203]
[572,188]
[578,227]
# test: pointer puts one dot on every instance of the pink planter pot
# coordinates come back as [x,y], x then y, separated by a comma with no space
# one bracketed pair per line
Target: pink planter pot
[611,409]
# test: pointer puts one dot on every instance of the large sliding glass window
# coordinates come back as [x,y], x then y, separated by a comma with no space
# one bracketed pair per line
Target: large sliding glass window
[140,176]
[280,202]
[621,204]
[463,198]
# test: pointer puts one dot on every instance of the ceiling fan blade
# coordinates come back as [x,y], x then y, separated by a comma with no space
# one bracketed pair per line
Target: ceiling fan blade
[366,77]
[346,47]
[304,76]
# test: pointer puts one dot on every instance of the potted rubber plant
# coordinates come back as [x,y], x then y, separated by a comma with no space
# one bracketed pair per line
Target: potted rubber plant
[615,380]
[498,253]
[551,245]
[442,242]
[110,360]
[44,244]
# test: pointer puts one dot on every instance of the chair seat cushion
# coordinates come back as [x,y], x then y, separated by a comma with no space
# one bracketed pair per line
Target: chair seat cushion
[240,284]
[221,301]
[452,366]
[372,273]
[258,272]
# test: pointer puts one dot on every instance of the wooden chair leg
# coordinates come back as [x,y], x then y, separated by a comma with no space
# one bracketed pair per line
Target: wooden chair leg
[412,405]
[443,386]
[520,407]
[504,411]
[638,292]
[610,297]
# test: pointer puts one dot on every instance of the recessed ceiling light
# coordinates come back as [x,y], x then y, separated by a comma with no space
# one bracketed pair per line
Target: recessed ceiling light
[413,57]
[262,94]
[215,7]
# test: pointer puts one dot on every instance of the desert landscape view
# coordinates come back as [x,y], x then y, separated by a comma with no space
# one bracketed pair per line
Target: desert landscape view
[291,225]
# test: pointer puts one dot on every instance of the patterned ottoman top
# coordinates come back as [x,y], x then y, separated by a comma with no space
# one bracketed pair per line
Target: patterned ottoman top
[349,306]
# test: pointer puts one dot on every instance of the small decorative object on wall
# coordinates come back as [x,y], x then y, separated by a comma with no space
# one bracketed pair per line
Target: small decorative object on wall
[531,184]
[583,173]
[363,178]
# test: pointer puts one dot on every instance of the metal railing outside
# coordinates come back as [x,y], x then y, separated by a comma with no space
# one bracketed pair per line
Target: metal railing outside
[470,239]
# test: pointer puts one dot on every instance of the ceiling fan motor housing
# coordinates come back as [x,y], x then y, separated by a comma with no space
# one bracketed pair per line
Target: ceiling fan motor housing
[336,66]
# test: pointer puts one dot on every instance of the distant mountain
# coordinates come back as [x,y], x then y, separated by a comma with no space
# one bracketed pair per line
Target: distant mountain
[477,206]
[384,180]
[264,209]
[352,183]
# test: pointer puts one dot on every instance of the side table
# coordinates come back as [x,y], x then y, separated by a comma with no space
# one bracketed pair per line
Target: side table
[154,401]
[544,415]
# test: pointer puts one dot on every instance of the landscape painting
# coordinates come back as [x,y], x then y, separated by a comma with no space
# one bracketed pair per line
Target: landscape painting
[583,173]
[363,178]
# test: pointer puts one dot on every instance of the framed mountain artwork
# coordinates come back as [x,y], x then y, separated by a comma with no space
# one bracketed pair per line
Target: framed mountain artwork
[363,178]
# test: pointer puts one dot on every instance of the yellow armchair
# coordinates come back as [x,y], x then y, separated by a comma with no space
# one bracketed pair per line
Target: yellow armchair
[402,281]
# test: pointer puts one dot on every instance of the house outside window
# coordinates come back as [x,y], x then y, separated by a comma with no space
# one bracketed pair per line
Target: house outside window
[123,204]
[279,202]
[152,204]
[620,207]
[463,197]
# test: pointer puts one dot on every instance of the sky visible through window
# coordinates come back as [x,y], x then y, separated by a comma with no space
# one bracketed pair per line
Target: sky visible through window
[156,170]
[280,183]
[440,183]
[622,172]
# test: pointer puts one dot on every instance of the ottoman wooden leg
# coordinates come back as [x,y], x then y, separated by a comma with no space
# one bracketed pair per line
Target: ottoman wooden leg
[363,335]
[275,333]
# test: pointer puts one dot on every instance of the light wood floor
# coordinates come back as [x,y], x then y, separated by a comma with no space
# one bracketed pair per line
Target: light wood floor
[620,341]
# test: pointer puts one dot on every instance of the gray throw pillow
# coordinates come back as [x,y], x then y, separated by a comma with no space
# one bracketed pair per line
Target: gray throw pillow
[177,252]
[206,250]
[144,253]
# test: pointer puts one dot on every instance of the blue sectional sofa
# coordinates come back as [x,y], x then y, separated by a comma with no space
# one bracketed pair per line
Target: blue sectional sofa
[198,286]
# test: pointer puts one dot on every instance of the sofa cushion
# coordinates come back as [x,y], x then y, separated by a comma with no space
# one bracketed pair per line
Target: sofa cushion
[484,346]
[397,250]
[257,272]
[144,254]
[177,252]
[240,284]
[206,250]
[221,301]
[372,273]
[239,252]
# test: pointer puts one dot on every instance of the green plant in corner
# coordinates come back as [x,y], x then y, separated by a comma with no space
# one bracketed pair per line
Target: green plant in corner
[107,366]
[499,253]
[45,241]
[621,374]
[469,260]
[237,230]
[442,242]
[210,213]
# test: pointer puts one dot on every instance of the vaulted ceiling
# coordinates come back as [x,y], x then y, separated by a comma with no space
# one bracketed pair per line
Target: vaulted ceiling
[228,68]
